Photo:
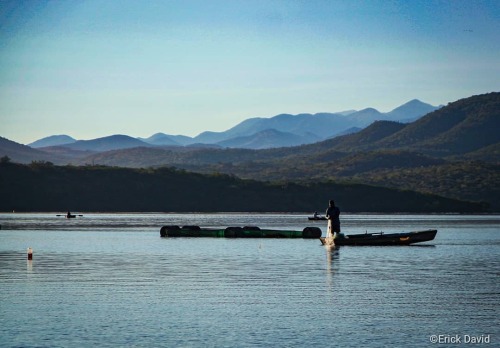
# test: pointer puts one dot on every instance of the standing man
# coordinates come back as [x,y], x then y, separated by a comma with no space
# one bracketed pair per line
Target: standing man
[332,214]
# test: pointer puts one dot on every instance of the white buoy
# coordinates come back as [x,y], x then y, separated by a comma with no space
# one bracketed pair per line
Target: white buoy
[30,253]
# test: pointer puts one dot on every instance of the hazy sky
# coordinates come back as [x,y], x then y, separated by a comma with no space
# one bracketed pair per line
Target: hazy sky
[96,68]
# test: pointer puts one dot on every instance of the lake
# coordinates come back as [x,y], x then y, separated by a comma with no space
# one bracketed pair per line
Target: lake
[109,280]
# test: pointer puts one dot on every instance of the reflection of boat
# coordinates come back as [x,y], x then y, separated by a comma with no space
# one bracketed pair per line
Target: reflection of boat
[69,215]
[314,218]
[382,238]
[238,232]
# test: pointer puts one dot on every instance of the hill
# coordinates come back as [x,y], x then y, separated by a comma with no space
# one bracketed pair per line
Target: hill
[112,142]
[53,140]
[25,154]
[410,111]
[363,139]
[42,187]
[268,138]
[464,126]
[160,139]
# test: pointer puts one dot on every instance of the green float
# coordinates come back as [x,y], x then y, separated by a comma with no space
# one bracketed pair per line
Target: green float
[238,232]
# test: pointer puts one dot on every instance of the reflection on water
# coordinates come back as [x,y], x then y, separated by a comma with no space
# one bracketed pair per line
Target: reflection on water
[332,260]
[29,266]
[91,283]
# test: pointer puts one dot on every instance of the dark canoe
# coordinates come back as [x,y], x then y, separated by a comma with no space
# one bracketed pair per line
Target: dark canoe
[238,232]
[316,218]
[384,238]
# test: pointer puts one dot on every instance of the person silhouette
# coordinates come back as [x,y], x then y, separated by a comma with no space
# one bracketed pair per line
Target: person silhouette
[333,216]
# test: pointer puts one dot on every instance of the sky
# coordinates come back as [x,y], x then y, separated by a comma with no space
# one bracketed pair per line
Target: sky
[94,68]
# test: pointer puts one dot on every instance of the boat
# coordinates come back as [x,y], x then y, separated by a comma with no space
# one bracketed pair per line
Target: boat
[382,238]
[316,217]
[238,232]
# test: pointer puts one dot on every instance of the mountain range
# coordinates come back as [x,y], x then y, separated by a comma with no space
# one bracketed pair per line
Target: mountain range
[465,128]
[282,130]
[453,151]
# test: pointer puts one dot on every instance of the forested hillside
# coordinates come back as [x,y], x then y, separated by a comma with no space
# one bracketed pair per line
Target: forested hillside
[465,180]
[45,187]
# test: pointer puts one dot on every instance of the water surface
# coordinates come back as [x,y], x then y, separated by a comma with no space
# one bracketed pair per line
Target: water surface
[110,280]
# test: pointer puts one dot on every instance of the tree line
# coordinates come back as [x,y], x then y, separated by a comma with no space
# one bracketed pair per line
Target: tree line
[42,186]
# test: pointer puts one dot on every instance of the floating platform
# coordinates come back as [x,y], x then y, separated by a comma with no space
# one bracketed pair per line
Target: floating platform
[238,232]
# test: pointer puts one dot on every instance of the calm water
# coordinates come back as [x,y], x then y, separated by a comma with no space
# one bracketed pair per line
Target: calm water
[110,280]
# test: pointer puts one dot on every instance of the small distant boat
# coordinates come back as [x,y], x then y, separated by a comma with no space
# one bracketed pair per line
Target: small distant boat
[69,215]
[382,238]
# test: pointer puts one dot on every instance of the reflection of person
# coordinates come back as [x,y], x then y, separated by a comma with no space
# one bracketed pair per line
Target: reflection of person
[333,216]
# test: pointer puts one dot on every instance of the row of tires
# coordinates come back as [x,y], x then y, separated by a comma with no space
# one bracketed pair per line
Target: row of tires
[237,232]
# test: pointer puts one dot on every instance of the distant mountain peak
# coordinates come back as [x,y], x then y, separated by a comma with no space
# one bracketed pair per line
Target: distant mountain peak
[410,111]
[111,142]
[413,103]
[367,110]
[53,140]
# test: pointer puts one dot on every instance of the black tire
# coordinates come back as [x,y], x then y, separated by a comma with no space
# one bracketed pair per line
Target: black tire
[164,230]
[311,232]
